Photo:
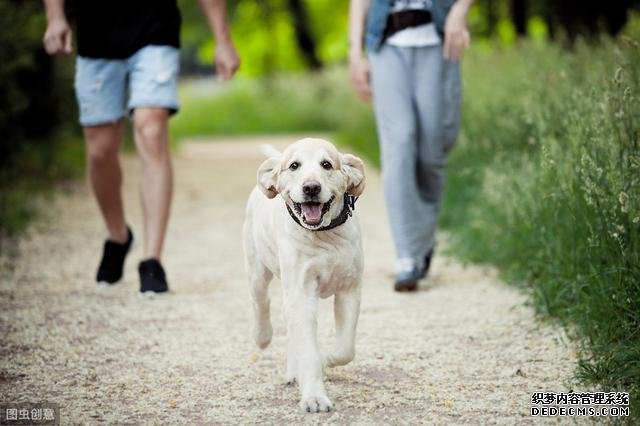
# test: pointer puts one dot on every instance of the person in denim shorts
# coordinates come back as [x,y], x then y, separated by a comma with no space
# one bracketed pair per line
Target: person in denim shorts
[128,64]
[411,69]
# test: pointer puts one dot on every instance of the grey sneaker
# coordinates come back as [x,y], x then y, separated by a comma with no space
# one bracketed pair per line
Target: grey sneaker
[408,273]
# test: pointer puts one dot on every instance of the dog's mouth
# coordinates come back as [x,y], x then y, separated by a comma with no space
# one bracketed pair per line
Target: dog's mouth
[312,212]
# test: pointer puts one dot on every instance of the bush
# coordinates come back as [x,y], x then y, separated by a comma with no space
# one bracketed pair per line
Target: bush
[35,107]
[285,103]
[37,91]
[545,183]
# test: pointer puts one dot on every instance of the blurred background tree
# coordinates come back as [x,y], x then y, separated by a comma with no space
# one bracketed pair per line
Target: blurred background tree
[275,35]
[36,96]
[37,108]
[38,113]
[278,35]
[283,35]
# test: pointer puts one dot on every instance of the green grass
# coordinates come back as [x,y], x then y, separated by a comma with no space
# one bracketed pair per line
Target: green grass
[289,103]
[544,182]
[30,175]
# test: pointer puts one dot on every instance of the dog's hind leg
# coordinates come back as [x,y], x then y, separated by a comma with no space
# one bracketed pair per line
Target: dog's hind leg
[259,278]
[346,309]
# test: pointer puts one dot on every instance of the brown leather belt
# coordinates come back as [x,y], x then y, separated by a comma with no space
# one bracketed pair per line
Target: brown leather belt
[405,19]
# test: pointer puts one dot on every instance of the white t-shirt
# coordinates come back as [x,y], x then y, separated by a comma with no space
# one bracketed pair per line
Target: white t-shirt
[422,35]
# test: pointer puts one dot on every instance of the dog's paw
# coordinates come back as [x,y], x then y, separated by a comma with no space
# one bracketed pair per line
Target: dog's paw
[315,404]
[262,334]
[290,378]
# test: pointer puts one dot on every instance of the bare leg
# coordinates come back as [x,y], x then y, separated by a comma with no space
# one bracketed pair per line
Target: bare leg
[105,176]
[346,310]
[151,131]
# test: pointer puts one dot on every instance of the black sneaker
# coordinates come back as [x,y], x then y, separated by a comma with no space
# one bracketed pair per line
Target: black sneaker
[113,255]
[152,277]
[427,264]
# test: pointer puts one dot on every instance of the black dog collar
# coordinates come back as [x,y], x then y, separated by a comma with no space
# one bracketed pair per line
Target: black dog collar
[347,210]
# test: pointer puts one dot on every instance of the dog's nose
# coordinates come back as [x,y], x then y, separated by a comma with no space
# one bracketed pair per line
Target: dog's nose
[311,189]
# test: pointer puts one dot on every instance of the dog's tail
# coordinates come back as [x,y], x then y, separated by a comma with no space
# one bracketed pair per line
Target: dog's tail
[269,150]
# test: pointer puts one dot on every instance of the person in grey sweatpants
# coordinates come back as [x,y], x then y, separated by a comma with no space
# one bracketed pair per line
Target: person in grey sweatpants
[415,82]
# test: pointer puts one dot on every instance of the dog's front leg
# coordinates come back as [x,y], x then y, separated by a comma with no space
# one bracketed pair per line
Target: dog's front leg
[346,309]
[303,355]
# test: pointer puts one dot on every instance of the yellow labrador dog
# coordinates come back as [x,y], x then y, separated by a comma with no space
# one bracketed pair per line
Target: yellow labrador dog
[310,239]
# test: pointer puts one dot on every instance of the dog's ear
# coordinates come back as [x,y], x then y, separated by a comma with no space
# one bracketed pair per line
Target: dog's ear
[353,168]
[268,176]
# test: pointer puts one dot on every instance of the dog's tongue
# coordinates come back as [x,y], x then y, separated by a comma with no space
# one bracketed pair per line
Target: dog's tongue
[312,212]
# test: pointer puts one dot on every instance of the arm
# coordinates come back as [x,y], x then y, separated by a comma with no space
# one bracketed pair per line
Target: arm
[456,34]
[226,58]
[57,37]
[358,63]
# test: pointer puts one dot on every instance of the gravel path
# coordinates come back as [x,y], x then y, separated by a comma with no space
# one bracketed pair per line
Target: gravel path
[465,349]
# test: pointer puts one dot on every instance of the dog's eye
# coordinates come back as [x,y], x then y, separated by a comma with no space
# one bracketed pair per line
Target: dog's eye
[326,165]
[294,165]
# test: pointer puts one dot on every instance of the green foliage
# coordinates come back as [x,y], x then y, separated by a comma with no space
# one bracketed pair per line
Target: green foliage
[284,103]
[537,30]
[16,44]
[32,174]
[36,99]
[36,92]
[545,183]
[264,36]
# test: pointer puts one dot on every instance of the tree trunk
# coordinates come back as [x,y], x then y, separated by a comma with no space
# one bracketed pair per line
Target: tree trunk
[519,16]
[304,38]
[492,17]
[616,17]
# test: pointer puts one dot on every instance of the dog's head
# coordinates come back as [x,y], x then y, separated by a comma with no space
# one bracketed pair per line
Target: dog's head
[312,178]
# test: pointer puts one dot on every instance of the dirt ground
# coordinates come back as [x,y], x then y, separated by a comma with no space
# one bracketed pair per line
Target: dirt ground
[464,349]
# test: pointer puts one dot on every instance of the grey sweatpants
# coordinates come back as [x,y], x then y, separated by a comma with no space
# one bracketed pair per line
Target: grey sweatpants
[417,108]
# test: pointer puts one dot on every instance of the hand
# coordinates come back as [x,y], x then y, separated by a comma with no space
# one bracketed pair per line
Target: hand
[227,60]
[456,34]
[57,38]
[360,75]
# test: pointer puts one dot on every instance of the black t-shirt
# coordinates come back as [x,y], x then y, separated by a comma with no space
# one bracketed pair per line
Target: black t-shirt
[116,29]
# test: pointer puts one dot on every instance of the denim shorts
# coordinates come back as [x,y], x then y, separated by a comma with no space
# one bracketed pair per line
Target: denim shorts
[107,88]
